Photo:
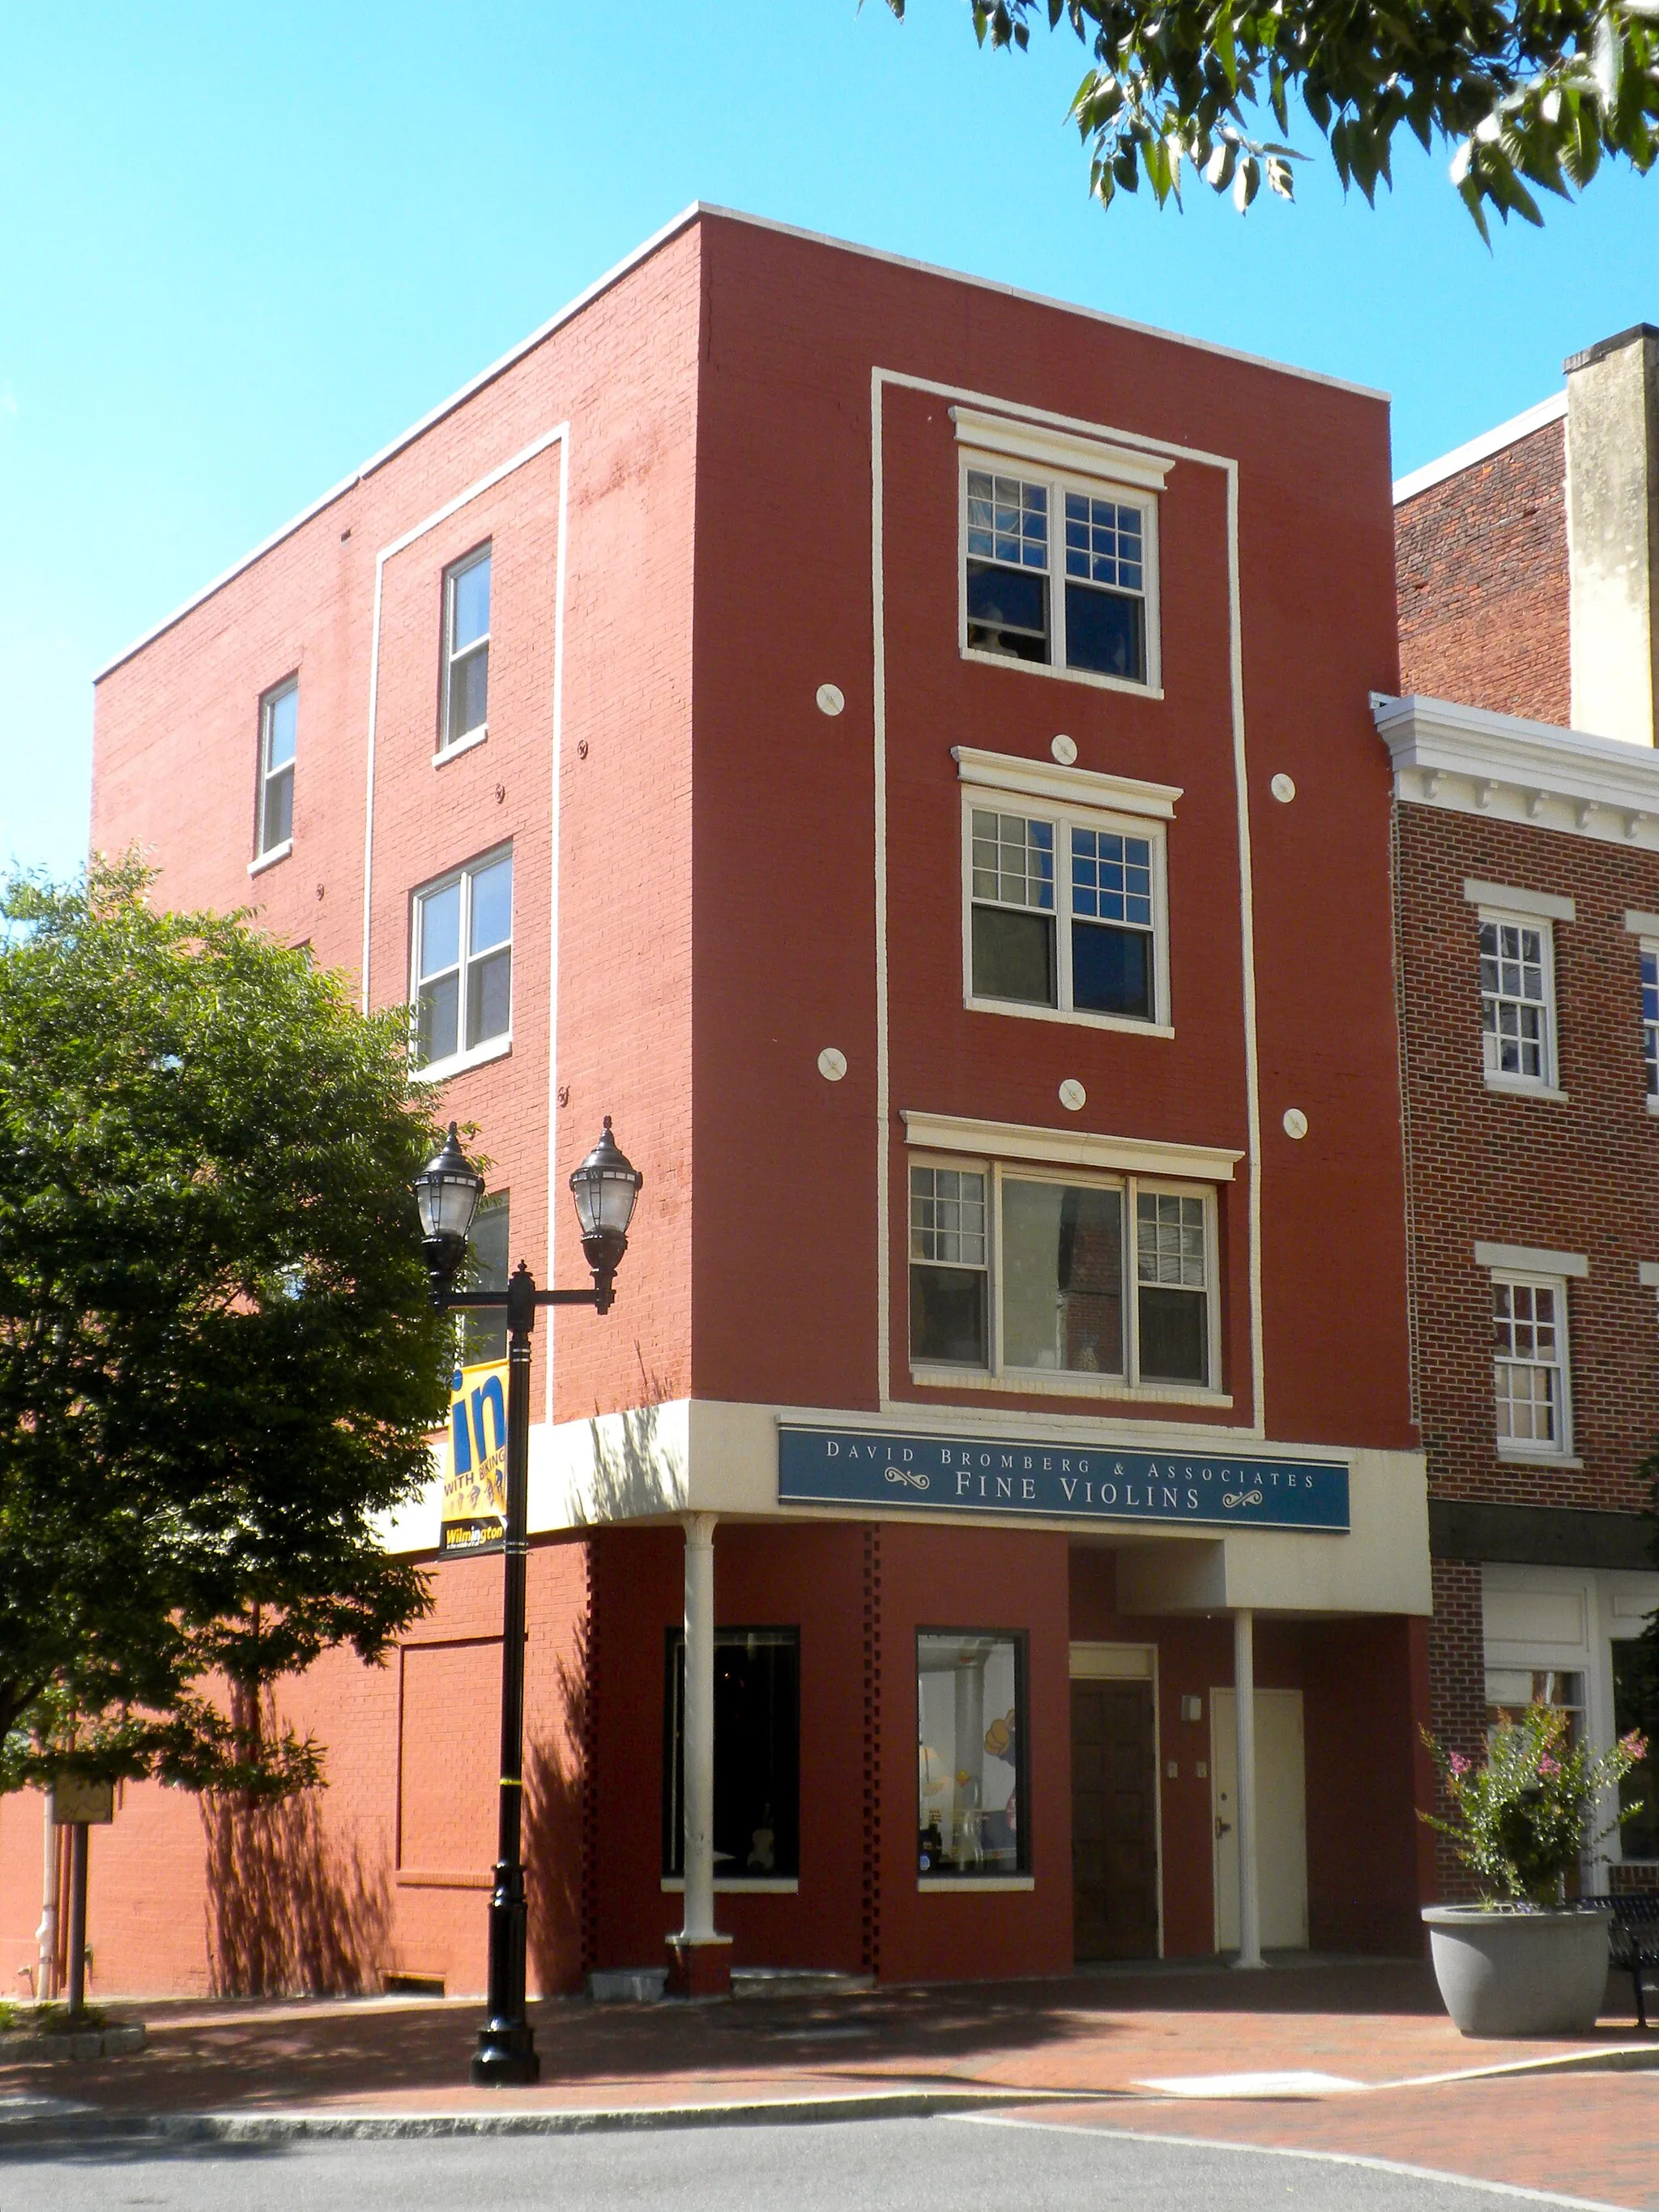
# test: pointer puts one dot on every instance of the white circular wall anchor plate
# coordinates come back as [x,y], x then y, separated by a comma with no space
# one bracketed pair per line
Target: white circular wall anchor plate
[1283,788]
[831,698]
[1072,1096]
[832,1064]
[1063,750]
[1296,1122]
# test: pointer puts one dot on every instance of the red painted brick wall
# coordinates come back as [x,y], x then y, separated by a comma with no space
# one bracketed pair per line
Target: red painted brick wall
[785,803]
[1482,572]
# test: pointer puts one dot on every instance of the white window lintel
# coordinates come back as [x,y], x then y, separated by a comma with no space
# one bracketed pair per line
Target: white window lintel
[1506,898]
[1078,1148]
[1647,1274]
[1006,437]
[1047,780]
[1530,1260]
[1643,925]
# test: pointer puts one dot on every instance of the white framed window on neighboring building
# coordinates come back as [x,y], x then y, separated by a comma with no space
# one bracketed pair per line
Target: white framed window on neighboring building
[466,649]
[1063,1280]
[1518,1038]
[1060,552]
[279,722]
[1645,928]
[463,965]
[1065,895]
[1532,1375]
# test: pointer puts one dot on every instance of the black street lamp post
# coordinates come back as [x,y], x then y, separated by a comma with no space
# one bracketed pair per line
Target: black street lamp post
[447,1191]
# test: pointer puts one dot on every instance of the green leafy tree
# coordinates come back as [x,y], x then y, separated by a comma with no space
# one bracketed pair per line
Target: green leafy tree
[1530,94]
[218,1361]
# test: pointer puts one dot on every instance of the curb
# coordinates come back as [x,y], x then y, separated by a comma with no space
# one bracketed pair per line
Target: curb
[55,2048]
[256,2128]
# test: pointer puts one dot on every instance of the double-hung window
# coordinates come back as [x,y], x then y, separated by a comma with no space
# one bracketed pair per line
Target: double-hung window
[1065,908]
[1528,1352]
[463,963]
[1650,1023]
[1021,1272]
[279,721]
[1517,939]
[466,648]
[1059,561]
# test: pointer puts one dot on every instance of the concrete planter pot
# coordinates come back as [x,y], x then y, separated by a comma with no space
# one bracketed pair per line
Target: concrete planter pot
[1509,1973]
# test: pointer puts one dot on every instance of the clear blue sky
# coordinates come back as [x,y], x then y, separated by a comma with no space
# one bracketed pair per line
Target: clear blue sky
[241,247]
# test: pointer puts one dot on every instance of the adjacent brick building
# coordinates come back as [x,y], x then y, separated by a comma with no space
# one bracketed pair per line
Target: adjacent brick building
[1527,902]
[902,748]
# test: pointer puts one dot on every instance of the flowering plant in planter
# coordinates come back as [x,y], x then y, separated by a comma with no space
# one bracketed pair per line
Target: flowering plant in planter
[1520,1820]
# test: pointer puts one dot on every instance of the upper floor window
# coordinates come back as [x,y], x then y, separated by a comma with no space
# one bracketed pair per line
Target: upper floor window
[1528,1337]
[1516,939]
[1064,911]
[1517,1001]
[463,963]
[1650,1020]
[279,721]
[1085,611]
[1020,1273]
[466,647]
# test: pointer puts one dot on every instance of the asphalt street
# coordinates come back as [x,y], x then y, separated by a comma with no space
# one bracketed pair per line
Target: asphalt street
[885,2165]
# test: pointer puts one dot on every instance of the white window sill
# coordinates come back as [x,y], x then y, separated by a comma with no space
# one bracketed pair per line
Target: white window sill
[1535,1455]
[739,1885]
[1514,1086]
[1653,1108]
[957,1885]
[269,860]
[1087,1021]
[1044,1384]
[1065,675]
[439,1070]
[461,746]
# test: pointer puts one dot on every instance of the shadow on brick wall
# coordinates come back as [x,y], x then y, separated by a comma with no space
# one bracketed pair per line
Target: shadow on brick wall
[553,1833]
[291,1909]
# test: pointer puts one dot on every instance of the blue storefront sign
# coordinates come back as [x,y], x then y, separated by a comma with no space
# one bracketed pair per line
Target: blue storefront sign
[949,1474]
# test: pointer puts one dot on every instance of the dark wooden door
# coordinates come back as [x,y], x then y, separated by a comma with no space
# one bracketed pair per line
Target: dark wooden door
[1114,1830]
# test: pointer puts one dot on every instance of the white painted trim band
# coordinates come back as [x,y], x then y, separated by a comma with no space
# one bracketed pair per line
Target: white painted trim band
[1081,1148]
[1481,448]
[1513,901]
[1006,437]
[1529,1260]
[1057,786]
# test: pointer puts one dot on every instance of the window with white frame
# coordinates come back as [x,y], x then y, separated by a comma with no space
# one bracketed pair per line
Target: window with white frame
[1650,1018]
[466,647]
[1059,574]
[1020,1271]
[1064,911]
[1529,1364]
[1517,1001]
[463,963]
[279,721]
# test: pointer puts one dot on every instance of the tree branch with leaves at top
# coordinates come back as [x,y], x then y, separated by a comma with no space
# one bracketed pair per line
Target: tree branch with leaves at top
[1531,95]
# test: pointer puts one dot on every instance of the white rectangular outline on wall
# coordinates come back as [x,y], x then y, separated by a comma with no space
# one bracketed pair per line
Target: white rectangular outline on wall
[558,435]
[880,378]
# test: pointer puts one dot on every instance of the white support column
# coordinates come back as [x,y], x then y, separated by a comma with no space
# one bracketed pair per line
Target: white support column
[45,1936]
[1249,1885]
[699,1728]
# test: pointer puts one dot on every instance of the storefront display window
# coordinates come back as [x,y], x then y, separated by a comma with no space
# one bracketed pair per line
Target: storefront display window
[970,1754]
[1636,1706]
[756,1754]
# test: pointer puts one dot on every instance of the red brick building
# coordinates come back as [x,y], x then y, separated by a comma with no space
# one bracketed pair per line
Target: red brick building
[902,748]
[1526,892]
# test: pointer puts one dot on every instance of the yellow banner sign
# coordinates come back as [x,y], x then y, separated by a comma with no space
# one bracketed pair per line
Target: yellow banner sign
[475,1479]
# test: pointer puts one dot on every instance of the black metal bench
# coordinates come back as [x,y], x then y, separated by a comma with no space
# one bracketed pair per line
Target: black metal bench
[1633,1937]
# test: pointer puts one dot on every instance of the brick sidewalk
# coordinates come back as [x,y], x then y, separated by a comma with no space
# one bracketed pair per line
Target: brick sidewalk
[1095,2035]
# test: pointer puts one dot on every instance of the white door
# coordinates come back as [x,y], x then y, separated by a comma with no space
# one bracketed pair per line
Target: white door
[1281,1820]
